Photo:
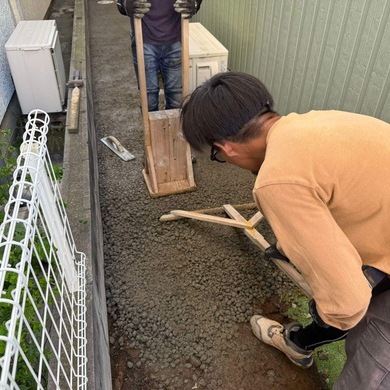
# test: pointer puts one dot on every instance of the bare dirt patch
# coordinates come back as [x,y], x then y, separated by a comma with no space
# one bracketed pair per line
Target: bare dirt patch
[241,366]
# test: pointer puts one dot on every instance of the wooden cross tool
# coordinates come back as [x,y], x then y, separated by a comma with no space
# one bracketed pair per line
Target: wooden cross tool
[168,165]
[249,227]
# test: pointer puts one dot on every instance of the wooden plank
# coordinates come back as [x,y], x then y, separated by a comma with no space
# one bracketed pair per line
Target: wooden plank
[175,187]
[169,146]
[256,219]
[142,78]
[294,275]
[214,210]
[159,132]
[177,146]
[185,44]
[185,55]
[213,219]
[151,171]
[165,189]
[253,234]
[190,171]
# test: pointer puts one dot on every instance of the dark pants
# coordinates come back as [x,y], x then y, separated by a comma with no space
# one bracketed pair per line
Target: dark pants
[367,346]
[368,350]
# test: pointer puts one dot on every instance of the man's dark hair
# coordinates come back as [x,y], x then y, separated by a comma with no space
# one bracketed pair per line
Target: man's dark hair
[219,108]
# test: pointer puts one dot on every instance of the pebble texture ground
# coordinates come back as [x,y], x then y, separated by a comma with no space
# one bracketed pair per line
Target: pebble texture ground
[180,294]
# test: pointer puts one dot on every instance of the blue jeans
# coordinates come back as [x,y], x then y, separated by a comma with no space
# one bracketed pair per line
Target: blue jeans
[164,60]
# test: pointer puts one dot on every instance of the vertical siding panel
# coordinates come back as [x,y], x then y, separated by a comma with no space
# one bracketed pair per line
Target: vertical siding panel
[261,70]
[364,94]
[381,109]
[311,54]
[268,39]
[354,52]
[249,29]
[307,55]
[231,36]
[338,45]
[241,33]
[256,35]
[286,77]
[320,58]
[277,27]
[259,67]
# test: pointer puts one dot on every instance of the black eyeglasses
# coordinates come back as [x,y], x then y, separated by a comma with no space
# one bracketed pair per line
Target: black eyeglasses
[214,156]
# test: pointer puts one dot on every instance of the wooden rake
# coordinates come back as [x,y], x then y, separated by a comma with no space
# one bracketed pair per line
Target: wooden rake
[249,226]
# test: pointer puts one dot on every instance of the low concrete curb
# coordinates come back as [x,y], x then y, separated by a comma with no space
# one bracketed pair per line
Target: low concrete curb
[81,193]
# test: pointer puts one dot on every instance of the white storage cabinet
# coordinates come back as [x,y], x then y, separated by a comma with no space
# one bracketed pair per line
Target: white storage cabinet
[37,67]
[207,56]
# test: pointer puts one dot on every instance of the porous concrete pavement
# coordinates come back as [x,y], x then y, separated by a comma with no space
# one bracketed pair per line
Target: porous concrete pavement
[180,294]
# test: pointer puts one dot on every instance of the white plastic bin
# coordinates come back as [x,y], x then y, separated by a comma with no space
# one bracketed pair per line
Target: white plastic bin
[37,67]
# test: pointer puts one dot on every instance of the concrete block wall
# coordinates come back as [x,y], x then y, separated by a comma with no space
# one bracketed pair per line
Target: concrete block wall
[79,186]
[29,10]
[7,25]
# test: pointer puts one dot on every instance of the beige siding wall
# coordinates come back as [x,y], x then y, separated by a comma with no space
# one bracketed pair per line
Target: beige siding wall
[312,54]
[29,9]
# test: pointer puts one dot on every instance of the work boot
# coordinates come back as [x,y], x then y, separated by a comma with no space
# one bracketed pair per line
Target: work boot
[275,334]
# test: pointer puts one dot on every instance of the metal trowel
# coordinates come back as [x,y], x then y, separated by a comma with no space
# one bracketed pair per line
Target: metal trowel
[117,148]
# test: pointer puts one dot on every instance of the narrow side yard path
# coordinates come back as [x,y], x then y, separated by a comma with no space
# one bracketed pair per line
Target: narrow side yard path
[180,294]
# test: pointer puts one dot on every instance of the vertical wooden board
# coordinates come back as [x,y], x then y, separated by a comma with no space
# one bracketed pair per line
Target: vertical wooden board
[142,78]
[185,47]
[159,132]
[178,146]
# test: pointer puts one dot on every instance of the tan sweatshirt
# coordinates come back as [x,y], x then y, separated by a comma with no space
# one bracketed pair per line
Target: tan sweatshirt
[324,187]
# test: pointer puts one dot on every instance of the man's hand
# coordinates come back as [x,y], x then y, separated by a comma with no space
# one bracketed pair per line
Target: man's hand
[187,8]
[273,252]
[136,8]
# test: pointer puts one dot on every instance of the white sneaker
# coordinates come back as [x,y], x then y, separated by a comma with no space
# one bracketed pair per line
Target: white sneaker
[275,334]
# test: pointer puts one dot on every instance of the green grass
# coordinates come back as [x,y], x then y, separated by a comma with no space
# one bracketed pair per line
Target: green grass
[330,358]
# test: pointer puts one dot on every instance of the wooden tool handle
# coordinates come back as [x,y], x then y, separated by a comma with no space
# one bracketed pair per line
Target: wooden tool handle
[213,219]
[73,116]
[214,210]
[142,77]
[185,55]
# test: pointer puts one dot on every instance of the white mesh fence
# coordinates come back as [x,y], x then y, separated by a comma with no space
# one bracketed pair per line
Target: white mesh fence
[42,277]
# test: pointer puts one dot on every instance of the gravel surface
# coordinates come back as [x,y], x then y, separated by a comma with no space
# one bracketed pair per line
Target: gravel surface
[180,294]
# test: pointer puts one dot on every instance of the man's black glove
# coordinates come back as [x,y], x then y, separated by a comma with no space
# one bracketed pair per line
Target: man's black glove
[273,252]
[136,8]
[314,314]
[187,8]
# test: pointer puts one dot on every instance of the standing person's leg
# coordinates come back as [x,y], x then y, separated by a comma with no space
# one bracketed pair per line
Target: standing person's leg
[170,67]
[151,55]
[368,350]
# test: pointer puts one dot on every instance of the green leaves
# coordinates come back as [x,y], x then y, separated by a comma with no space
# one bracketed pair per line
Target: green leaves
[7,166]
